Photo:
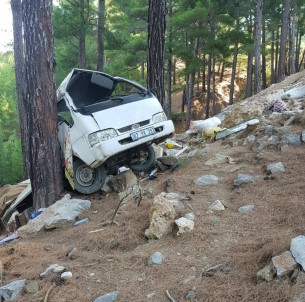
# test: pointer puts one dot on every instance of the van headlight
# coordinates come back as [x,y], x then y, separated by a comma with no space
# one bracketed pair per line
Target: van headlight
[101,136]
[159,117]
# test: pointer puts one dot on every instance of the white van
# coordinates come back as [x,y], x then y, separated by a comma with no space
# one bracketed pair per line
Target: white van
[112,122]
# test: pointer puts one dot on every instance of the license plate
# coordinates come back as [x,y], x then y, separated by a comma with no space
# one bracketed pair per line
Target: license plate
[142,133]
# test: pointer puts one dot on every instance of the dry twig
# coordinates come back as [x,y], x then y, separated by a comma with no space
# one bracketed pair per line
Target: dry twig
[169,296]
[47,294]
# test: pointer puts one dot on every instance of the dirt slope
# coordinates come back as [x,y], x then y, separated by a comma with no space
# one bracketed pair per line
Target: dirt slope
[115,258]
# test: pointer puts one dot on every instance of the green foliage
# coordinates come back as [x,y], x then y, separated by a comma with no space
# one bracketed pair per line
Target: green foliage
[11,167]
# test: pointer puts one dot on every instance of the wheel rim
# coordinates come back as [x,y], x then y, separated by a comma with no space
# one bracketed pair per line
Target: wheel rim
[140,158]
[85,175]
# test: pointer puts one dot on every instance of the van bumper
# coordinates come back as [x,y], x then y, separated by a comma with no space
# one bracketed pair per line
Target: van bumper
[102,151]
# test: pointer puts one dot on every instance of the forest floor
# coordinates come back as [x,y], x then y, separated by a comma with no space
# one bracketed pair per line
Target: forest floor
[115,258]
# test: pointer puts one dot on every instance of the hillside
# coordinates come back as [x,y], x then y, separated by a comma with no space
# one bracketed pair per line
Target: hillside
[218,260]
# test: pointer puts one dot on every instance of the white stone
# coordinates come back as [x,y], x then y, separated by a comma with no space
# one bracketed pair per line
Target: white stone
[216,205]
[66,275]
[184,225]
[297,249]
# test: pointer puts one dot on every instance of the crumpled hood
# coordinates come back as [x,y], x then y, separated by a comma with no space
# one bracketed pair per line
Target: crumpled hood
[128,114]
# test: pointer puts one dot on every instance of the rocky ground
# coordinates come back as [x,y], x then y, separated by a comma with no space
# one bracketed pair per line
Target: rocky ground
[220,257]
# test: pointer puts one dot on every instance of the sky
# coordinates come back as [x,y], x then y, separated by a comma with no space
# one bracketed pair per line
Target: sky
[6,25]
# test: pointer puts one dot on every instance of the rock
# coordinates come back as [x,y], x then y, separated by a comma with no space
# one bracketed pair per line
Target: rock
[110,297]
[294,93]
[184,225]
[243,179]
[293,140]
[266,274]
[275,168]
[59,269]
[191,295]
[81,221]
[156,258]
[55,216]
[219,159]
[192,153]
[171,152]
[169,184]
[66,275]
[12,290]
[49,270]
[284,264]
[303,136]
[297,248]
[168,160]
[249,140]
[162,217]
[246,209]
[106,187]
[31,287]
[206,180]
[216,205]
[158,151]
[190,216]
[150,296]
[300,278]
[73,254]
[121,182]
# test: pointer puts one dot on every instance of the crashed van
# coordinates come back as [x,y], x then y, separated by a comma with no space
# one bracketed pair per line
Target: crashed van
[105,123]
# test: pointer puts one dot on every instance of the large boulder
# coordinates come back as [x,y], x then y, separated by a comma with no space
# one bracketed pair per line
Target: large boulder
[58,214]
[162,218]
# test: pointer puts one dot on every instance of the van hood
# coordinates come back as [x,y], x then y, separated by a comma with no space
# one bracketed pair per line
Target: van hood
[128,114]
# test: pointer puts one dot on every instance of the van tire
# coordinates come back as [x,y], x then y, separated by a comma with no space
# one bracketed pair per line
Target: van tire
[88,180]
[149,159]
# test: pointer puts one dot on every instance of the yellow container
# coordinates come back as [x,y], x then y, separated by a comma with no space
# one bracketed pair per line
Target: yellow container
[169,145]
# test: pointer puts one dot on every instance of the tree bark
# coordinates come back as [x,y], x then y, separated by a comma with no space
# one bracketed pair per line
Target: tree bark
[207,103]
[16,6]
[82,36]
[40,102]
[292,40]
[272,58]
[264,65]
[156,42]
[100,35]
[284,33]
[234,64]
[257,46]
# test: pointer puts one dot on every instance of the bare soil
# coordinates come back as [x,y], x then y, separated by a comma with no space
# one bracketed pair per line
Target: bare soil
[115,257]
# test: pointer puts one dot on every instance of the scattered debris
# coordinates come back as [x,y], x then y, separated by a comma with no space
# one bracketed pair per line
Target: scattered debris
[246,209]
[110,297]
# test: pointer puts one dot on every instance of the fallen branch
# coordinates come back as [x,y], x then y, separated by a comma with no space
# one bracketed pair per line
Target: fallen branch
[47,294]
[169,296]
[95,231]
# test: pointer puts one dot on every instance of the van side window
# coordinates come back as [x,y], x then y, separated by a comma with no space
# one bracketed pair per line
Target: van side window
[64,114]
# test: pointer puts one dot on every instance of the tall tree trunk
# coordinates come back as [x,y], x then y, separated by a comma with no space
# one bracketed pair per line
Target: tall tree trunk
[203,74]
[222,72]
[298,48]
[257,46]
[100,35]
[284,33]
[292,37]
[20,80]
[168,107]
[207,103]
[82,36]
[40,100]
[234,64]
[272,58]
[249,75]
[277,54]
[174,72]
[156,41]
[214,84]
[264,65]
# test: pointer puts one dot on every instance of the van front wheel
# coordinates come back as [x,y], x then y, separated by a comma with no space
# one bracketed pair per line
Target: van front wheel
[88,180]
[143,159]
